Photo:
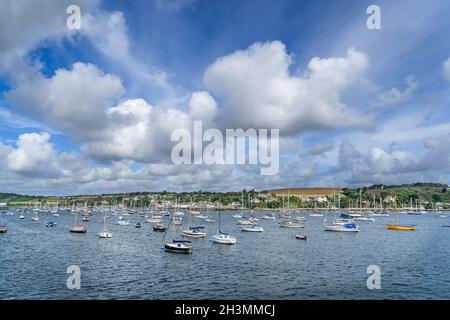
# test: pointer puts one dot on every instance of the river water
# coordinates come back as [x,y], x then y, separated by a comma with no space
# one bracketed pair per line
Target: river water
[268,265]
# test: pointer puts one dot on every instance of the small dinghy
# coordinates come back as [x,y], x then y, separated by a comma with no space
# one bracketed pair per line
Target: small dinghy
[300,237]
[3,228]
[49,224]
[137,225]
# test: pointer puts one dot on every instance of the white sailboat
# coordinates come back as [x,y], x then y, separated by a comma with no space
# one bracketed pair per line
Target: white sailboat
[339,225]
[222,237]
[105,234]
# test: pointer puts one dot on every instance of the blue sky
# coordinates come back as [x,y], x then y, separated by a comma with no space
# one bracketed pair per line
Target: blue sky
[92,110]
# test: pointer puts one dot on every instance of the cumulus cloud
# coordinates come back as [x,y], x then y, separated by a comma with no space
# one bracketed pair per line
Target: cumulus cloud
[137,131]
[73,100]
[259,91]
[34,156]
[28,23]
[393,166]
[395,96]
[202,106]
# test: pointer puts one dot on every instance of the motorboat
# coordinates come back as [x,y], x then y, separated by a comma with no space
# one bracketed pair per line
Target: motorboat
[50,224]
[253,228]
[300,237]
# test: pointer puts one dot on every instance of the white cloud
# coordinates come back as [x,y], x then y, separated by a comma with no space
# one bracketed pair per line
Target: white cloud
[73,100]
[137,131]
[26,24]
[202,106]
[395,96]
[34,156]
[259,91]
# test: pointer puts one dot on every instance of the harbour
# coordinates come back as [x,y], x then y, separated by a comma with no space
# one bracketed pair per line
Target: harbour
[268,265]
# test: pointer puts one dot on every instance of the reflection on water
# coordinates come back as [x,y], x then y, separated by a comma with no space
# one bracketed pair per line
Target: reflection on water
[268,265]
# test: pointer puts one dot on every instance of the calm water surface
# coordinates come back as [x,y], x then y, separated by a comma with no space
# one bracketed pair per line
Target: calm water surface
[269,265]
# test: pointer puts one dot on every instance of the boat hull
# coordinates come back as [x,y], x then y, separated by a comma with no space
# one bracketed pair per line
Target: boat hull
[194,234]
[402,228]
[78,230]
[177,248]
[222,240]
[339,228]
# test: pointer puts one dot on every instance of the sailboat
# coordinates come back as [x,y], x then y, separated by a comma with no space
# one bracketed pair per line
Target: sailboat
[194,231]
[22,216]
[75,228]
[105,234]
[268,216]
[222,237]
[339,225]
[316,212]
[396,226]
[159,226]
[176,245]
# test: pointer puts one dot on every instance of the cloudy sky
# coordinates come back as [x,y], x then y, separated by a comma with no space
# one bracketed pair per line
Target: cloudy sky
[92,110]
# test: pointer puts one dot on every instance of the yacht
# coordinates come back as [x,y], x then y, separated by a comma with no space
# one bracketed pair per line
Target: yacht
[194,232]
[253,228]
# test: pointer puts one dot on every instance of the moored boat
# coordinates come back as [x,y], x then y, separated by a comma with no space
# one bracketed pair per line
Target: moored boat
[78,230]
[178,246]
[50,224]
[253,228]
[290,224]
[159,226]
[194,232]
